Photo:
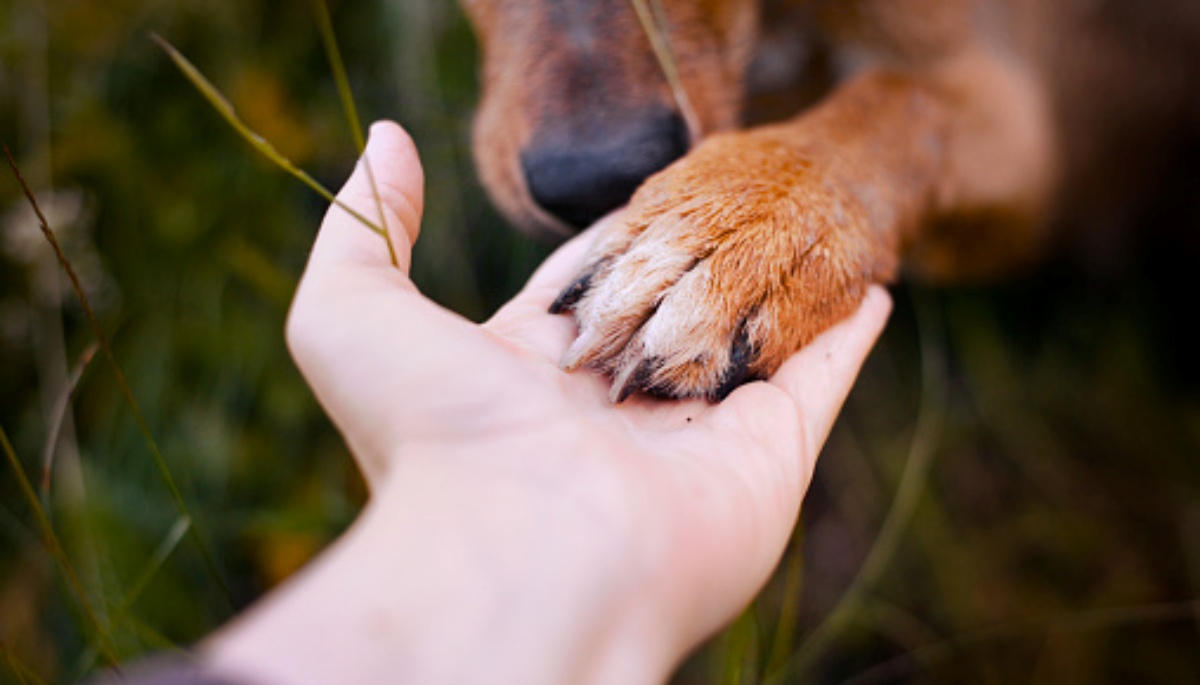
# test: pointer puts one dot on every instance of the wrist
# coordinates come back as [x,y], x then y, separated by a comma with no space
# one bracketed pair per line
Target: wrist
[527,573]
[458,574]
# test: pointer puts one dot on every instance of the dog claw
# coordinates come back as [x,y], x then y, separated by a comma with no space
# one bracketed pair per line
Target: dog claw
[584,351]
[632,378]
[572,294]
[573,359]
[741,355]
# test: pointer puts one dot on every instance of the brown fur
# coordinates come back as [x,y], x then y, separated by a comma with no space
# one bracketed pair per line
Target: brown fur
[957,129]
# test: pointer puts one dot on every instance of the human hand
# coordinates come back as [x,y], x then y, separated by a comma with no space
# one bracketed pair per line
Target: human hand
[557,535]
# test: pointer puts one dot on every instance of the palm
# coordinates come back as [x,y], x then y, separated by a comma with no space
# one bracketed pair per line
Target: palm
[703,494]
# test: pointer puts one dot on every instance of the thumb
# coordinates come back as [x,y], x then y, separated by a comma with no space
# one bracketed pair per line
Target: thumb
[386,189]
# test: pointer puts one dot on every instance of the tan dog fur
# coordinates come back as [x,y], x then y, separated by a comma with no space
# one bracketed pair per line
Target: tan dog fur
[953,130]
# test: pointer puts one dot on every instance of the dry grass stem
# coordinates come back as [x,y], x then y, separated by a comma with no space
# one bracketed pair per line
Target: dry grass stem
[654,22]
[225,109]
[139,418]
[338,67]
[61,403]
[55,548]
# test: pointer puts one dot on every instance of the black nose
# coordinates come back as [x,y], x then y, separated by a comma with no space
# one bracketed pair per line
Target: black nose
[586,176]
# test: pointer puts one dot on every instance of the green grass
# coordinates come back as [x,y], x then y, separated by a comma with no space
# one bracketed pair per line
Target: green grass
[1048,430]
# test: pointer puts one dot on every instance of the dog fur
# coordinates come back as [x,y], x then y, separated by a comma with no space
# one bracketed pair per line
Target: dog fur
[950,137]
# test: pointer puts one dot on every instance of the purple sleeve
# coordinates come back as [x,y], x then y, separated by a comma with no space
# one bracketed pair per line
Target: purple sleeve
[162,670]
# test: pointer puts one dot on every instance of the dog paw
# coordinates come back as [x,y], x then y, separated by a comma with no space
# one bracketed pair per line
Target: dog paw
[722,265]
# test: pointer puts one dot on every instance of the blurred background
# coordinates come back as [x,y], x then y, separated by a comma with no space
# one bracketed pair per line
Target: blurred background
[1012,494]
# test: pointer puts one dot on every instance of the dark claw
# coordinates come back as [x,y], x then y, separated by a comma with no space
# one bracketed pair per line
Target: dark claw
[628,383]
[573,293]
[740,357]
[660,391]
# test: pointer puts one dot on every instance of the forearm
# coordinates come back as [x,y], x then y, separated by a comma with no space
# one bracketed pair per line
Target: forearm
[513,594]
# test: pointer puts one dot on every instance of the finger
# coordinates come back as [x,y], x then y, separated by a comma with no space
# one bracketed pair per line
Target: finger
[819,377]
[386,189]
[789,416]
[526,320]
[778,428]
[350,284]
[359,331]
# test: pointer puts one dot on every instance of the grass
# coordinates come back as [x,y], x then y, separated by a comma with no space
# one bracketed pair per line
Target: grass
[1052,424]
[262,145]
[653,20]
[101,340]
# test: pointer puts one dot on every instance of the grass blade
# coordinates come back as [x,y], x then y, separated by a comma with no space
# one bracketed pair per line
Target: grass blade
[902,667]
[24,674]
[329,39]
[793,587]
[54,547]
[56,419]
[741,650]
[654,22]
[139,418]
[908,494]
[157,641]
[225,109]
[165,548]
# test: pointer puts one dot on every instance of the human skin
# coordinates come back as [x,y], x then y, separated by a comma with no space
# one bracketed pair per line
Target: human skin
[520,528]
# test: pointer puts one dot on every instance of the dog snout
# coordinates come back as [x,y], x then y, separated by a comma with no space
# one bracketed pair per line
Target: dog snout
[580,177]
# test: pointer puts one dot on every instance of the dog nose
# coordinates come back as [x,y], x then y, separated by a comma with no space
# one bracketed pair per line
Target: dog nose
[587,177]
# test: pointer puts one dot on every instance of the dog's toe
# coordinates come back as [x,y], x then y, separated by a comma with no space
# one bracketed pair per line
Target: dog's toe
[715,275]
[688,345]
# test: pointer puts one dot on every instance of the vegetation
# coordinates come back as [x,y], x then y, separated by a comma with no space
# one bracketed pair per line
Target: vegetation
[1047,431]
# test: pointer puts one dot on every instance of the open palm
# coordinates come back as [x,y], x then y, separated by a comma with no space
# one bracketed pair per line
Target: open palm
[698,496]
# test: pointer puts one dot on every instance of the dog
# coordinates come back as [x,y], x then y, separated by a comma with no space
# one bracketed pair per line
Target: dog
[949,139]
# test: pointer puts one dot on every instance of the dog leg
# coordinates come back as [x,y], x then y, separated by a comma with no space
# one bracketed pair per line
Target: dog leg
[743,251]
